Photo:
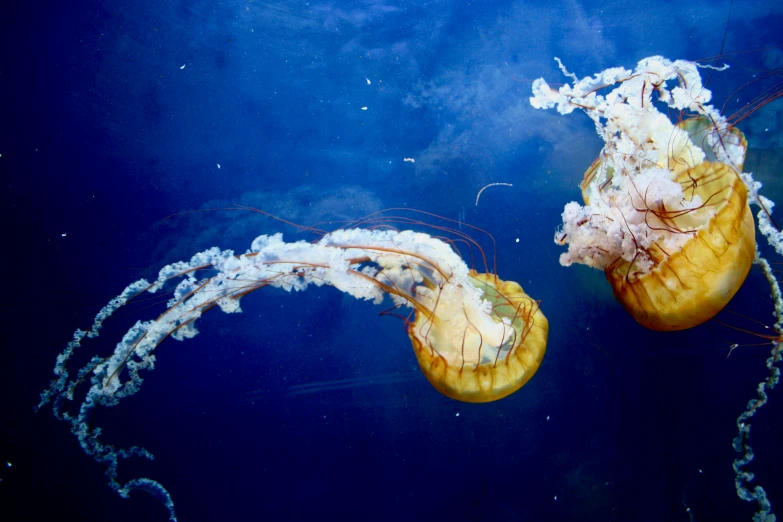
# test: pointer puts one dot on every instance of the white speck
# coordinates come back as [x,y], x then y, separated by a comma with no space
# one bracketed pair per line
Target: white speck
[8,464]
[517,240]
[547,417]
[324,416]
[765,130]
[63,235]
[457,415]
[409,160]
[555,497]
[700,471]
[364,108]
[368,81]
[183,66]
[218,165]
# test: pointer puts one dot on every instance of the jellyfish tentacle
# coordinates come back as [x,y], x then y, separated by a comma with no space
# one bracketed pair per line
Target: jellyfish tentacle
[740,443]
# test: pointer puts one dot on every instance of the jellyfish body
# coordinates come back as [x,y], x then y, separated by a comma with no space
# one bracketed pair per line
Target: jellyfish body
[689,286]
[666,211]
[481,354]
[477,338]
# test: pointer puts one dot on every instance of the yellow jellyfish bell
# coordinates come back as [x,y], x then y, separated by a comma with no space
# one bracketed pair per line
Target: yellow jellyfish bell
[481,353]
[691,285]
[666,212]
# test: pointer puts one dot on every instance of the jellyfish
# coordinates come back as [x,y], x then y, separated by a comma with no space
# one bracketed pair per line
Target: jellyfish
[666,210]
[476,337]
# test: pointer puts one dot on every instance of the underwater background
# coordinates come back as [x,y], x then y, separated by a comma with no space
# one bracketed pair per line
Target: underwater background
[119,114]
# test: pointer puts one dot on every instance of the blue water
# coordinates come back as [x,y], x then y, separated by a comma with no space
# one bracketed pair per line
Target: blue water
[116,115]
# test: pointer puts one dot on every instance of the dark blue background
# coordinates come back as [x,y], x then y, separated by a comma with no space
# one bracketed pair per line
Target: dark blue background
[104,135]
